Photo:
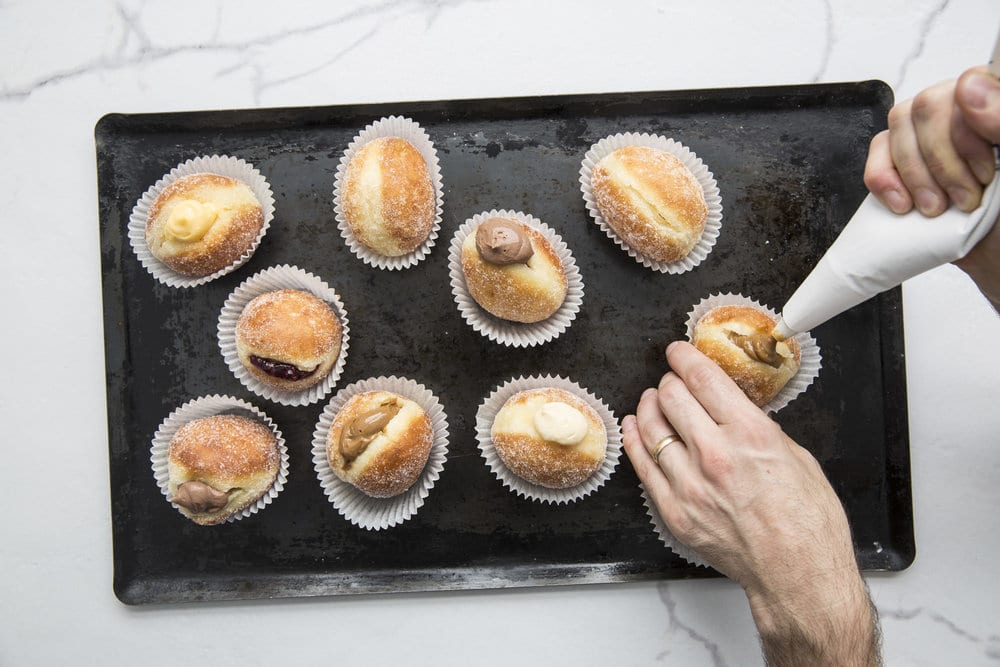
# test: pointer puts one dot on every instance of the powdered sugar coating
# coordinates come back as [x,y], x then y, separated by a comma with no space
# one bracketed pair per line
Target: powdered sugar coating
[651,200]
[389,199]
[520,292]
[536,460]
[291,326]
[224,446]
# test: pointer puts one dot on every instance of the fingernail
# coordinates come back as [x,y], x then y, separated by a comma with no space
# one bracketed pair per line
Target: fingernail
[962,198]
[671,346]
[897,201]
[981,92]
[927,201]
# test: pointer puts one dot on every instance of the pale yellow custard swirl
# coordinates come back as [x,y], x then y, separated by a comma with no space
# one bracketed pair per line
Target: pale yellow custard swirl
[561,423]
[190,220]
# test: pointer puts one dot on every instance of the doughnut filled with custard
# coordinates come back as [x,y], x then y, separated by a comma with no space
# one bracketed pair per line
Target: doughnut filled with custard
[738,339]
[202,223]
[288,339]
[387,197]
[512,271]
[651,200]
[379,442]
[220,465]
[549,437]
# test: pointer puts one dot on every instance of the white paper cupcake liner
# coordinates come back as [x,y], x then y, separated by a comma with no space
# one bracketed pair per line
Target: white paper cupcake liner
[208,406]
[484,423]
[354,505]
[222,165]
[810,359]
[713,223]
[270,280]
[404,128]
[660,526]
[505,332]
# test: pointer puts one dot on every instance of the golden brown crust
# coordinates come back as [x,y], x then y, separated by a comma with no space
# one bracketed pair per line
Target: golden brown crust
[395,459]
[759,381]
[292,327]
[518,292]
[539,461]
[388,198]
[233,233]
[231,454]
[651,200]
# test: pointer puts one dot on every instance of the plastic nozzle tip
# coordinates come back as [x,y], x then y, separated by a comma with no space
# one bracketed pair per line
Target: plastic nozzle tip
[782,331]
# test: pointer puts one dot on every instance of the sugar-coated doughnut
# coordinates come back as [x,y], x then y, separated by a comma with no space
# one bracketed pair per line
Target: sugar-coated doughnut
[651,200]
[512,271]
[220,465]
[379,442]
[738,338]
[549,437]
[387,197]
[288,339]
[202,223]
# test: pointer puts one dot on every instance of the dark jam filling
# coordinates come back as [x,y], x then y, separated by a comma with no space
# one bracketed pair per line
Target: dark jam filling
[280,370]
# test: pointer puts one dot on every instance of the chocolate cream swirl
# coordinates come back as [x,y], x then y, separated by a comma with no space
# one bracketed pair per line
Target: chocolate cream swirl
[199,497]
[500,241]
[758,346]
[364,428]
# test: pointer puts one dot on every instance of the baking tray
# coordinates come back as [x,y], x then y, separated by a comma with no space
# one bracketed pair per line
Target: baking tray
[788,162]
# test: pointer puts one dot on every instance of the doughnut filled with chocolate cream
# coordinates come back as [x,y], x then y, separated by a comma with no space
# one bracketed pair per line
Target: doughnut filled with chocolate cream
[288,339]
[512,271]
[220,465]
[379,442]
[651,200]
[387,197]
[549,437]
[202,223]
[738,339]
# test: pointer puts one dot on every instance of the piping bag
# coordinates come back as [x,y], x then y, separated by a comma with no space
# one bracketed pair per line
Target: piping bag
[878,250]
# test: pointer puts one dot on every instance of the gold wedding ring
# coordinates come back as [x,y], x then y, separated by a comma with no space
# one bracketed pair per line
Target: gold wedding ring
[663,444]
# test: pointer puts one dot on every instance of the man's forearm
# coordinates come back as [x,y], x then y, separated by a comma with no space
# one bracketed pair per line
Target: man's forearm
[832,625]
[982,264]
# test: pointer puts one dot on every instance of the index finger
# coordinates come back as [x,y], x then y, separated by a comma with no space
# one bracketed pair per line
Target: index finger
[882,178]
[718,394]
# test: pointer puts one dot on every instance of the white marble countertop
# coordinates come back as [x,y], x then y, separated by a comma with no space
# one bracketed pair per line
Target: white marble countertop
[66,64]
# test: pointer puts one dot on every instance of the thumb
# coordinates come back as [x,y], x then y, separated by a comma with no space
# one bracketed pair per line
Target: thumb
[978,96]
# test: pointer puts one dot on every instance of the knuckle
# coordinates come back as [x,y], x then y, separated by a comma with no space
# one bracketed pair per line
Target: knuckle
[717,465]
[670,388]
[912,172]
[879,141]
[937,163]
[701,377]
[899,115]
[762,434]
[680,522]
[924,106]
[877,179]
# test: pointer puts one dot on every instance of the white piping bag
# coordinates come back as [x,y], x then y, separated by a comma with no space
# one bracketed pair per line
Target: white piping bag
[878,250]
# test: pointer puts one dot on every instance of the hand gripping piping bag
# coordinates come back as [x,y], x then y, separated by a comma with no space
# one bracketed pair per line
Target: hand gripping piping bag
[878,250]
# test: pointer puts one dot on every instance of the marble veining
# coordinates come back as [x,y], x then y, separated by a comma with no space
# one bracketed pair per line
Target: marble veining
[918,47]
[714,651]
[143,52]
[58,571]
[991,643]
[828,45]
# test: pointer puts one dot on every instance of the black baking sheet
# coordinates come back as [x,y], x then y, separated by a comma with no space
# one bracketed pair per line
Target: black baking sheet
[788,162]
